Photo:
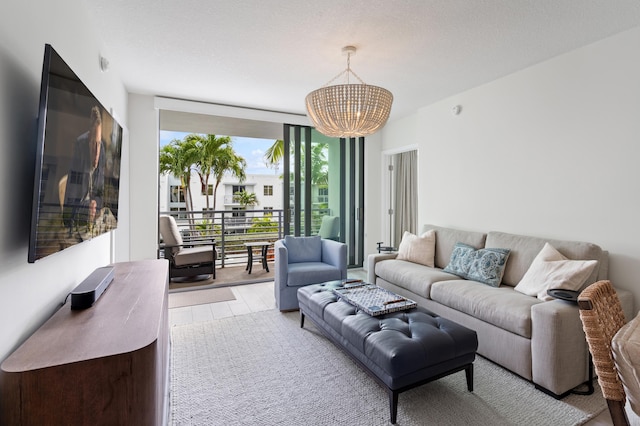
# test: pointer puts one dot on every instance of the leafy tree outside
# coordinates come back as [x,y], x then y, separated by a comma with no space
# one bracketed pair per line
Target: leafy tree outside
[319,161]
[177,159]
[208,155]
[209,147]
[245,198]
[263,225]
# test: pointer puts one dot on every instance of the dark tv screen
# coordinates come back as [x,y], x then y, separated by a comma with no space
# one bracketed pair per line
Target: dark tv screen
[77,173]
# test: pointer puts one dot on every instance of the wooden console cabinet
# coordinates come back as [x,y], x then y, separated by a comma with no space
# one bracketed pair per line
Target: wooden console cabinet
[105,365]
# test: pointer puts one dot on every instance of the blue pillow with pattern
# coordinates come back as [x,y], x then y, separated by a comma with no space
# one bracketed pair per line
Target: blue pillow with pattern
[460,261]
[488,266]
[483,265]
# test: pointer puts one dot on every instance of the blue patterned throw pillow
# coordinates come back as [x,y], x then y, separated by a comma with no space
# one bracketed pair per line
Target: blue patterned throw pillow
[488,266]
[483,265]
[460,260]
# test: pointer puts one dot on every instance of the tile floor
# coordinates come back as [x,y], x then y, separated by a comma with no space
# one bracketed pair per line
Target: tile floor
[249,298]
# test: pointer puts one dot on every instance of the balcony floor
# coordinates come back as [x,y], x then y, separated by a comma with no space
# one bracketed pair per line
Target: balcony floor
[230,275]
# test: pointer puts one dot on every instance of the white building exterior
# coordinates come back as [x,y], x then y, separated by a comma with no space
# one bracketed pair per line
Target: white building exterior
[268,189]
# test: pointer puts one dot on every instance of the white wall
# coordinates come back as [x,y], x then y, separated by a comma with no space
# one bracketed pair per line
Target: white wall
[144,136]
[551,151]
[30,293]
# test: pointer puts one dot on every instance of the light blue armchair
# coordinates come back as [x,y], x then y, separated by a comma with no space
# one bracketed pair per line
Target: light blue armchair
[302,261]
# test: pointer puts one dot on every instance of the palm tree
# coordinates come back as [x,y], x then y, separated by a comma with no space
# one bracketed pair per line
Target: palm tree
[227,161]
[209,147]
[275,153]
[319,163]
[246,198]
[177,159]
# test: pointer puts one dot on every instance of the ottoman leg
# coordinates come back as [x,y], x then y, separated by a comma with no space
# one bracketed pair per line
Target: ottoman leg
[469,373]
[393,405]
[301,319]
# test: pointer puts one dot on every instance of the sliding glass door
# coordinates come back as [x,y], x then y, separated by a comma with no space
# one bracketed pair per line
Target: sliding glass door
[324,188]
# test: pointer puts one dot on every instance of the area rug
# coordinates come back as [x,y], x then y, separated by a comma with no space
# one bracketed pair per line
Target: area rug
[263,369]
[200,297]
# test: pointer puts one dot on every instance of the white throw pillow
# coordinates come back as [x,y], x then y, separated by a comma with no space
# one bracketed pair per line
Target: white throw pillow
[626,347]
[420,249]
[551,270]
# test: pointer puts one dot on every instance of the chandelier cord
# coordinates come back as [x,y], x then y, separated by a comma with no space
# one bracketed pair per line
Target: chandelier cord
[347,71]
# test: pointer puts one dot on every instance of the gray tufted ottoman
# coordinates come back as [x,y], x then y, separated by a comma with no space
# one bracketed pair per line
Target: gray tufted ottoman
[401,350]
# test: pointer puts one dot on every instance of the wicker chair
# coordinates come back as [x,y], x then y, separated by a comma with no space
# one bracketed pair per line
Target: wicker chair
[602,316]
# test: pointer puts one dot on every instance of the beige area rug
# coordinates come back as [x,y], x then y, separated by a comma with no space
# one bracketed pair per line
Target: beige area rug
[200,297]
[263,369]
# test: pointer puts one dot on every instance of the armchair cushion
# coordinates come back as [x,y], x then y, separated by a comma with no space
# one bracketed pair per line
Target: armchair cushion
[170,232]
[329,227]
[305,273]
[303,249]
[195,255]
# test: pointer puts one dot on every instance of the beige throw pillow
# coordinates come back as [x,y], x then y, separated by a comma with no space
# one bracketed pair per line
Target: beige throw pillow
[420,249]
[551,270]
[626,349]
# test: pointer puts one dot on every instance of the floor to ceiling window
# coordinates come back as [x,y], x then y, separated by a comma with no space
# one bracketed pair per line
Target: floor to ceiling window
[325,181]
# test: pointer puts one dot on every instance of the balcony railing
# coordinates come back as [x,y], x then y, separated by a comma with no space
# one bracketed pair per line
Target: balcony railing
[230,230]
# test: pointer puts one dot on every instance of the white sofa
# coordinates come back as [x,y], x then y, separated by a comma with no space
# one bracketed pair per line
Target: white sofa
[542,341]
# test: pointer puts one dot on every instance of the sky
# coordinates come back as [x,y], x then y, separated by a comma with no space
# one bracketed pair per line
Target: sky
[251,149]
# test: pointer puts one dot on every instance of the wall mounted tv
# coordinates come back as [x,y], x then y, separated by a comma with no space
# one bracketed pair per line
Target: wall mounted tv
[77,173]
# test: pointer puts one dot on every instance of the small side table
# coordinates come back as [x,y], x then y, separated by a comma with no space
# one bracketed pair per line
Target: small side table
[264,246]
[571,296]
[386,249]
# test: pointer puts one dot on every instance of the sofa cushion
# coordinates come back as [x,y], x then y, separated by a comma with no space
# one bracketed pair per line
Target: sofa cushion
[446,239]
[411,276]
[524,249]
[482,265]
[626,347]
[551,270]
[305,273]
[303,249]
[501,307]
[418,249]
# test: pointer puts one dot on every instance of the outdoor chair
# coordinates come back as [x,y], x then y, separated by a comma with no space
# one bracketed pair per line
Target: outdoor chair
[602,318]
[330,228]
[301,261]
[191,261]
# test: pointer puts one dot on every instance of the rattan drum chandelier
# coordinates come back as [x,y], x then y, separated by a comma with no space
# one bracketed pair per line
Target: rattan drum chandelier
[349,110]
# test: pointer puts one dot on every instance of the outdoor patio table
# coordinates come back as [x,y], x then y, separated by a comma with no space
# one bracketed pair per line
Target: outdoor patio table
[264,246]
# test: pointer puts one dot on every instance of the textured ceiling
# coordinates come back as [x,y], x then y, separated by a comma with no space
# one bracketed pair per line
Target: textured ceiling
[269,54]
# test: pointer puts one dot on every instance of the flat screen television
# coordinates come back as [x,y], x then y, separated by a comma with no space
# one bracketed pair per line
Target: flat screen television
[77,172]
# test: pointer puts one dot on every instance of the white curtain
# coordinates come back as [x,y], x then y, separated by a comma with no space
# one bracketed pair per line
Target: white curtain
[405,208]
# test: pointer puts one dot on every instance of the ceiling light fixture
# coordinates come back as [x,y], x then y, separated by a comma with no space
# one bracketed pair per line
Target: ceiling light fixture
[349,110]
